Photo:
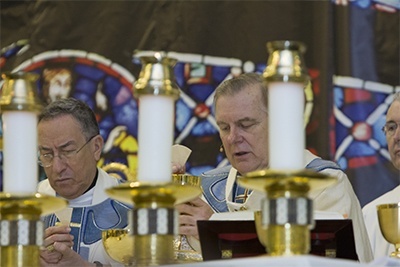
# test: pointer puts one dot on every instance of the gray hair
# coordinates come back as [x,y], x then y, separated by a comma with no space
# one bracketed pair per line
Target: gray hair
[82,113]
[243,81]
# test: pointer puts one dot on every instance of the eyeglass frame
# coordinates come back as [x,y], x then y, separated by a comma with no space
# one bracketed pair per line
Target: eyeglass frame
[391,123]
[64,156]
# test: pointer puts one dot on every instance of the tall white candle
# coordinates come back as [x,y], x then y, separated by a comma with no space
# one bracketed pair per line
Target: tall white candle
[286,130]
[156,121]
[20,167]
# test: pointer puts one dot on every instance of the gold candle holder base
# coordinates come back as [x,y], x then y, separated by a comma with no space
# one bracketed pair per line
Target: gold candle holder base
[21,227]
[154,219]
[286,216]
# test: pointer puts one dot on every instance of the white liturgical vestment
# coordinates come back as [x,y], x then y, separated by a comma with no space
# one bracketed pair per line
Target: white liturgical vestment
[380,247]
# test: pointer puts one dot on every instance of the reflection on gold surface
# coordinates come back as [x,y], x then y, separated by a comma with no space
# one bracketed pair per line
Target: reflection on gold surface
[119,245]
[389,223]
[260,229]
[186,179]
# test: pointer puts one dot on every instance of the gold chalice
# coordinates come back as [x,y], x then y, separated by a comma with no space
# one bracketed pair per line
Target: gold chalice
[118,244]
[389,222]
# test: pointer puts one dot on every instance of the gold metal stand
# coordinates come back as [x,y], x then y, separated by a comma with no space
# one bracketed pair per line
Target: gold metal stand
[287,214]
[154,219]
[21,229]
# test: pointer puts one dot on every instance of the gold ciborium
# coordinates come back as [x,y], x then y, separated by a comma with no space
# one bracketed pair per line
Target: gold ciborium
[389,223]
[183,250]
[119,245]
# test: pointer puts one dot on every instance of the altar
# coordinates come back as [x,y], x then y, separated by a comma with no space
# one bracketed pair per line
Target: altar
[294,261]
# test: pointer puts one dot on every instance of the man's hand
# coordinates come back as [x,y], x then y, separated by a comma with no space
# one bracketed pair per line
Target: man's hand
[58,250]
[178,169]
[68,257]
[59,234]
[190,213]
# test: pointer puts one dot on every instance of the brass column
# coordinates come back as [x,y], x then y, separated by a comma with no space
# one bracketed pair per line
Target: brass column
[154,222]
[21,229]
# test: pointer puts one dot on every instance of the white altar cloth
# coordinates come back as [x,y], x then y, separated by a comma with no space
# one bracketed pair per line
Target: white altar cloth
[294,261]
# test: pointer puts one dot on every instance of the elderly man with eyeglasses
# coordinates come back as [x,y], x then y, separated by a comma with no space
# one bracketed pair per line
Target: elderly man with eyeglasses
[380,247]
[69,147]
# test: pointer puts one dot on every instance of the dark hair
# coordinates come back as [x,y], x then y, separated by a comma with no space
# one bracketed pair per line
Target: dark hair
[242,82]
[83,114]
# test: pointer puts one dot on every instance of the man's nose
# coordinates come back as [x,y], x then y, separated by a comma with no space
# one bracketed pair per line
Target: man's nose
[58,162]
[234,135]
[396,134]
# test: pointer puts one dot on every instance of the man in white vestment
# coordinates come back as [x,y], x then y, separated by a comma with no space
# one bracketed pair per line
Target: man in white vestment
[70,146]
[380,247]
[241,114]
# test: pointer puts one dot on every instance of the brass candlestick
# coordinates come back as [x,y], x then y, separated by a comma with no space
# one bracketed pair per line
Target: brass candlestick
[154,218]
[287,214]
[21,229]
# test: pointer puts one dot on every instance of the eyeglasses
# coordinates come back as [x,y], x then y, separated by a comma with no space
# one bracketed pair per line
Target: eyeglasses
[46,160]
[390,128]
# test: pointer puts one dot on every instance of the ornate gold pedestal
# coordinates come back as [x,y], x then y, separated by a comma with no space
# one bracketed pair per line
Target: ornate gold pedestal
[287,213]
[21,229]
[154,222]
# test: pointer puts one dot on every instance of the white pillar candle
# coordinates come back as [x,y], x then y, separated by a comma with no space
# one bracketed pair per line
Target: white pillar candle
[20,167]
[286,130]
[156,122]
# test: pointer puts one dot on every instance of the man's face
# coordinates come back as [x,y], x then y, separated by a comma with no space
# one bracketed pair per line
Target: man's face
[393,141]
[69,177]
[243,128]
